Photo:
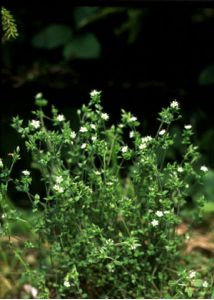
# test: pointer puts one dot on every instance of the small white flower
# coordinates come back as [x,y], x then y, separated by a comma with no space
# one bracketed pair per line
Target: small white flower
[59,179]
[162,132]
[34,292]
[187,186]
[124,149]
[146,139]
[35,123]
[31,290]
[60,118]
[174,104]
[188,127]
[142,146]
[121,126]
[187,236]
[94,93]
[144,142]
[66,283]
[134,246]
[109,183]
[204,169]
[192,274]
[39,96]
[93,138]
[155,223]
[93,126]
[180,169]
[133,119]
[159,213]
[97,173]
[1,163]
[131,134]
[83,146]
[3,216]
[166,212]
[73,134]
[105,116]
[58,188]
[83,129]
[205,284]
[26,172]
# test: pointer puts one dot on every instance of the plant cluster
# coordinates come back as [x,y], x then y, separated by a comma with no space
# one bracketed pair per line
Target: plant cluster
[105,223]
[9,27]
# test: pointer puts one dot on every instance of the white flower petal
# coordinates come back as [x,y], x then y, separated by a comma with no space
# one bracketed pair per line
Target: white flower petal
[60,118]
[159,213]
[155,223]
[26,172]
[162,132]
[204,169]
[83,129]
[174,104]
[105,116]
[94,93]
[35,123]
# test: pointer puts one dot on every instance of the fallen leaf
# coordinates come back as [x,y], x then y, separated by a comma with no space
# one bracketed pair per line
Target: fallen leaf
[181,229]
[201,243]
[5,286]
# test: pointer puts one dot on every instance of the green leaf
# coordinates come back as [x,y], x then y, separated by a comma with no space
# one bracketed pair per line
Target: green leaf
[207,76]
[8,25]
[83,14]
[197,282]
[208,208]
[208,186]
[52,36]
[189,291]
[84,47]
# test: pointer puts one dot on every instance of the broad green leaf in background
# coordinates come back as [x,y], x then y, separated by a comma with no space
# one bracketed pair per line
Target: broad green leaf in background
[207,191]
[85,46]
[208,208]
[206,143]
[203,14]
[207,76]
[209,186]
[53,36]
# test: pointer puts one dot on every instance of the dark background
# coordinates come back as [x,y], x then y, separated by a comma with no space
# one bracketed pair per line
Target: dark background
[148,55]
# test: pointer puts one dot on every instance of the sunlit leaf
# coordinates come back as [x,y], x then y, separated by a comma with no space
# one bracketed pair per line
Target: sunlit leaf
[208,207]
[208,186]
[189,291]
[197,282]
